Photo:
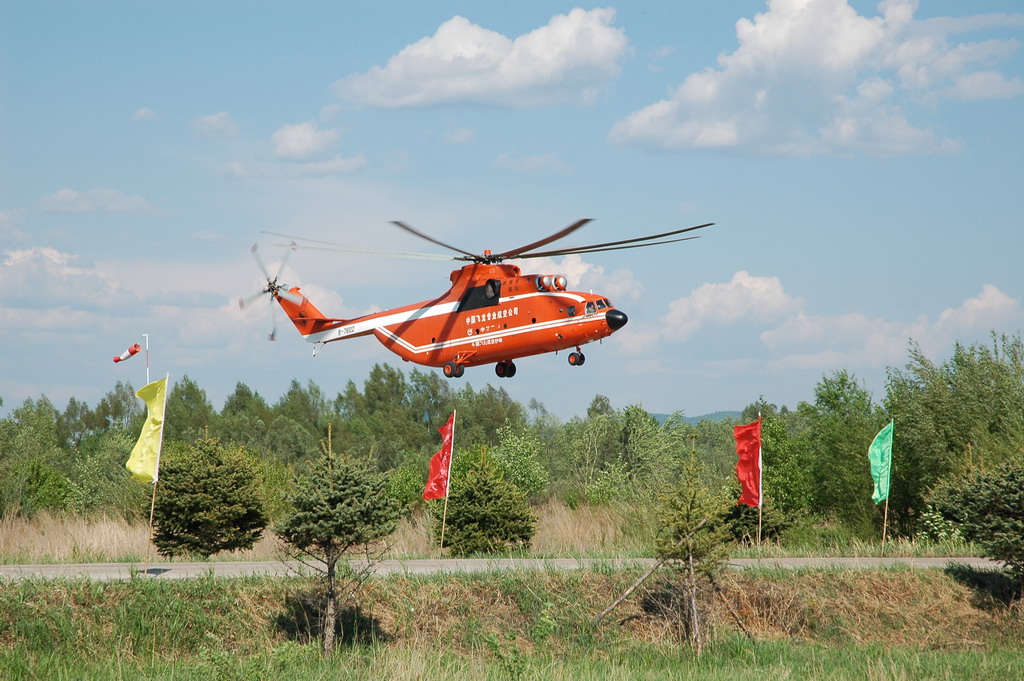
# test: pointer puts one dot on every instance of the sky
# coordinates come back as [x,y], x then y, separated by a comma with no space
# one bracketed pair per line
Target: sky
[863,164]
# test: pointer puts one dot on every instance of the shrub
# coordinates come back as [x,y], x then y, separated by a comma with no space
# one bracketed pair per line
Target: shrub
[209,500]
[989,507]
[486,513]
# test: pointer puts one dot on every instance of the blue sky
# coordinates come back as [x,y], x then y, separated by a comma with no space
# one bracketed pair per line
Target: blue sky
[862,163]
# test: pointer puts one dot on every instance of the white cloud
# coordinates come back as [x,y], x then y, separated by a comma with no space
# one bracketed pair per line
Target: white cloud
[460,136]
[216,126]
[534,163]
[620,285]
[990,309]
[984,85]
[569,60]
[47,277]
[815,77]
[8,231]
[855,340]
[301,141]
[144,114]
[333,166]
[744,297]
[95,201]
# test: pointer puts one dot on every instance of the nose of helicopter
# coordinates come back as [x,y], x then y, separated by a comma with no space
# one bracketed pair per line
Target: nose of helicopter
[616,319]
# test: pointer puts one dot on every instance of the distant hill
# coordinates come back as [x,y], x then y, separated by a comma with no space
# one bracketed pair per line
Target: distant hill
[713,416]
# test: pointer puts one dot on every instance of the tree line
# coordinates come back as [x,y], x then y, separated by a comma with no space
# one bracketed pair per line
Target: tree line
[953,418]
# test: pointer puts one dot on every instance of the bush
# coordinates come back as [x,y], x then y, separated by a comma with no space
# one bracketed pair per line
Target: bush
[989,507]
[741,522]
[209,500]
[486,513]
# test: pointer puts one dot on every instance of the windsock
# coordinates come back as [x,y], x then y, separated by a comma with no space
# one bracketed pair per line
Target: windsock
[128,353]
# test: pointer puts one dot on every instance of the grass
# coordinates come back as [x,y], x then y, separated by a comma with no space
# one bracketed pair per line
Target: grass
[582,532]
[878,625]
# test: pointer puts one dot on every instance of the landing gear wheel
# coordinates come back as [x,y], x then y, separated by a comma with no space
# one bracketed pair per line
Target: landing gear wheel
[451,370]
[577,359]
[505,369]
[459,370]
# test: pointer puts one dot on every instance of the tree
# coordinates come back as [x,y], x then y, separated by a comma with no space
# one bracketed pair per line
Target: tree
[693,539]
[518,456]
[33,469]
[966,411]
[119,409]
[188,413]
[988,507]
[840,426]
[209,500]
[339,506]
[244,420]
[486,512]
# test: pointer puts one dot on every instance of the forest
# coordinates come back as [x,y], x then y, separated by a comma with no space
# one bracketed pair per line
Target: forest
[952,417]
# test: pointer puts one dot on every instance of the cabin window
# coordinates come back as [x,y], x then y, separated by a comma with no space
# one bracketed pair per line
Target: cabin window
[572,310]
[477,297]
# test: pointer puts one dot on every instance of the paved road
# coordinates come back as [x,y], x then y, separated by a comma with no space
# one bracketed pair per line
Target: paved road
[108,571]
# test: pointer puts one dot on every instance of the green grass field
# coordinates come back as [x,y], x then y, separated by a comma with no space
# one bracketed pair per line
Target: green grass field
[832,624]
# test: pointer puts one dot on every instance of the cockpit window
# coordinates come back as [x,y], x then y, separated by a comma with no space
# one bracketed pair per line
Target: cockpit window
[601,304]
[591,309]
[607,302]
[477,297]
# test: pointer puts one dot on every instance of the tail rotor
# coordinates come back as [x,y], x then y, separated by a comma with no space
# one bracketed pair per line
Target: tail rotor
[274,288]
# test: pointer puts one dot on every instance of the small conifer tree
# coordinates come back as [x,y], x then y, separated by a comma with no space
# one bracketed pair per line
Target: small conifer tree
[692,539]
[486,512]
[209,500]
[339,507]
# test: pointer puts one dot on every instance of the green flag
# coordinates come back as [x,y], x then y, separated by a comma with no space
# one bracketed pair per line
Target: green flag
[880,455]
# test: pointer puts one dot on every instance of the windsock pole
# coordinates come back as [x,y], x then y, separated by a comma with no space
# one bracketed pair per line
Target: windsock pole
[146,336]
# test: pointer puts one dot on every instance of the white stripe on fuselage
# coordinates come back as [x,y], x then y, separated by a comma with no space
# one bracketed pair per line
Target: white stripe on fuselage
[369,324]
[493,336]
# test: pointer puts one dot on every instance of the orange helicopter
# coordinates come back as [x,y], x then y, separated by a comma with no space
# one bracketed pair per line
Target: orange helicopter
[492,314]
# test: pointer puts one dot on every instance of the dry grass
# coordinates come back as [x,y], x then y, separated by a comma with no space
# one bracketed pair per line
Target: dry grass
[55,538]
[913,609]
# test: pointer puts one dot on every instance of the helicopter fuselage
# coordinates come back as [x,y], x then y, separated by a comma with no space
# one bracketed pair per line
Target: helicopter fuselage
[492,314]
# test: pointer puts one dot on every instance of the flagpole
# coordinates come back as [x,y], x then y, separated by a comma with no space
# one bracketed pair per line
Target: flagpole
[156,479]
[885,523]
[146,336]
[760,480]
[448,482]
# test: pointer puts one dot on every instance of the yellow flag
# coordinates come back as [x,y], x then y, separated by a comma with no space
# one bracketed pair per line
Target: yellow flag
[144,462]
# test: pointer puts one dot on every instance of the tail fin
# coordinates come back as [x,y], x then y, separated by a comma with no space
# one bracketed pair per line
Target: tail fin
[304,315]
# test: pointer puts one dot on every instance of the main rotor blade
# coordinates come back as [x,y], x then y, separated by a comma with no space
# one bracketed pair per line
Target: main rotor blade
[411,255]
[593,247]
[597,248]
[336,247]
[433,240]
[515,252]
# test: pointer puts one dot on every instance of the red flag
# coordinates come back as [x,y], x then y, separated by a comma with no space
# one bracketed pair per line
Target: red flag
[133,350]
[441,463]
[748,469]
